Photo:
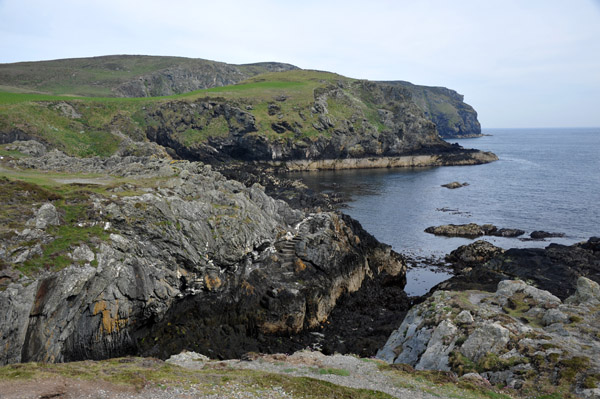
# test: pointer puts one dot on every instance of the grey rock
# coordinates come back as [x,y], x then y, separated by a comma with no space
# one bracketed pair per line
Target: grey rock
[83,253]
[440,345]
[464,317]
[587,291]
[184,358]
[554,316]
[29,147]
[489,338]
[46,215]
[194,240]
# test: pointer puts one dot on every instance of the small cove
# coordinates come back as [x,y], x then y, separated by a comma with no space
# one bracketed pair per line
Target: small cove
[545,179]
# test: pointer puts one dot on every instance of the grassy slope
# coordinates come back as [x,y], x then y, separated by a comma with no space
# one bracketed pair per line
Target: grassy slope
[90,134]
[95,76]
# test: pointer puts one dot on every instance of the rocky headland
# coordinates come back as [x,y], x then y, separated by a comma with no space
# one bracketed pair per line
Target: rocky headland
[174,256]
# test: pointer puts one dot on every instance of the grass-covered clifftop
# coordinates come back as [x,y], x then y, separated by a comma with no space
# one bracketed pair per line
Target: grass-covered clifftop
[126,75]
[151,76]
[284,115]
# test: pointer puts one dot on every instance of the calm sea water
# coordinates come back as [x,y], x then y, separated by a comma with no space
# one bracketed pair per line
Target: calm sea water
[545,179]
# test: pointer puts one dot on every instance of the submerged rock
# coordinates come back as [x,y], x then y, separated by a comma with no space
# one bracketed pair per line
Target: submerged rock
[472,255]
[540,235]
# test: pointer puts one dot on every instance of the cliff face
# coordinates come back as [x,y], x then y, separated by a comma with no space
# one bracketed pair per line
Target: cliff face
[446,108]
[173,257]
[345,120]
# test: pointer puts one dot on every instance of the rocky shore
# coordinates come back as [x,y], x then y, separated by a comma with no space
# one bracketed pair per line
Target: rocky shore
[176,257]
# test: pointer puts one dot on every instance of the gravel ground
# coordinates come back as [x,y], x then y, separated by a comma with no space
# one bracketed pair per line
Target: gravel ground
[343,370]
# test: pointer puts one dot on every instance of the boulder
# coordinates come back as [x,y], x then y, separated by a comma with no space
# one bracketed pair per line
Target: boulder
[46,215]
[473,255]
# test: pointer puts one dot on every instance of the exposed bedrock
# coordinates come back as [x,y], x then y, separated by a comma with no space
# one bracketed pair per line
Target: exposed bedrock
[517,336]
[555,268]
[188,260]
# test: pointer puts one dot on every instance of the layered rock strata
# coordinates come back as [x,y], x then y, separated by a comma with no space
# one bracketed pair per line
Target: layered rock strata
[178,257]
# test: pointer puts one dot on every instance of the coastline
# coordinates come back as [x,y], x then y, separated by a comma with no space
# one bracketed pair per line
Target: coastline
[403,161]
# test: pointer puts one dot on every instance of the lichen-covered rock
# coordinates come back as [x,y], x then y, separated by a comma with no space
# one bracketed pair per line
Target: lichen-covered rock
[46,215]
[489,338]
[519,336]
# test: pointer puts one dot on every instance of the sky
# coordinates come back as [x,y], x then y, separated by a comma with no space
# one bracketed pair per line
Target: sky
[519,63]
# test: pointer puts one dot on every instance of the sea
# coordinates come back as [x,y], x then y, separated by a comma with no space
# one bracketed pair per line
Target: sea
[545,179]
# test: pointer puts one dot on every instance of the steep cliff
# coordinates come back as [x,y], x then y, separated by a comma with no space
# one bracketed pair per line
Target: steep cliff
[446,108]
[331,126]
[159,256]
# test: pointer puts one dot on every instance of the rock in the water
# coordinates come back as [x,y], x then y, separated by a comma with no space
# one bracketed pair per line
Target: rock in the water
[473,254]
[508,233]
[540,235]
[470,230]
[455,185]
[555,268]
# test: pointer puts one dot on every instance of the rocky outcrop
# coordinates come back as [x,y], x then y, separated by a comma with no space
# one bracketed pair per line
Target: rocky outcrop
[555,268]
[540,235]
[193,75]
[473,255]
[518,336]
[472,230]
[186,259]
[446,108]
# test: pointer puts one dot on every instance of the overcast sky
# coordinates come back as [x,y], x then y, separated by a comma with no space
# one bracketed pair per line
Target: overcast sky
[525,63]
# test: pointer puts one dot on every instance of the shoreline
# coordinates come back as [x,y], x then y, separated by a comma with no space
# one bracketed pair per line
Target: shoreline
[459,158]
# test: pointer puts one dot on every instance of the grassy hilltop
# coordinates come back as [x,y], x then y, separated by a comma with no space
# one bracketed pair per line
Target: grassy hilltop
[87,126]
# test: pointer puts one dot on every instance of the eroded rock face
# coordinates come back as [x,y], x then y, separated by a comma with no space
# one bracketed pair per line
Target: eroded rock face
[516,336]
[400,128]
[191,255]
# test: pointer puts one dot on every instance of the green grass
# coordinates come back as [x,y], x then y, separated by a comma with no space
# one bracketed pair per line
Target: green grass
[140,373]
[99,76]
[94,131]
[333,371]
